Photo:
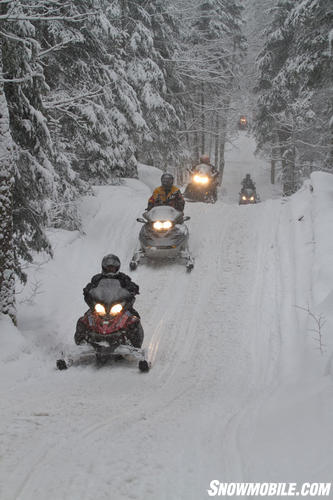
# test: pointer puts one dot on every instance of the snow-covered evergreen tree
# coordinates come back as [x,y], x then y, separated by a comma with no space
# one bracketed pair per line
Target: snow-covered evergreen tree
[166,30]
[213,47]
[94,109]
[312,22]
[148,27]
[294,81]
[34,174]
[7,256]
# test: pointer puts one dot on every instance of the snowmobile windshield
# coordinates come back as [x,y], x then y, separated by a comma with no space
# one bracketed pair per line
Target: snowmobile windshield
[163,213]
[109,291]
[248,191]
[203,169]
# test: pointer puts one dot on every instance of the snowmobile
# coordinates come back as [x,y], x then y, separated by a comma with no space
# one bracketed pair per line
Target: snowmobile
[248,196]
[163,236]
[242,123]
[109,328]
[202,185]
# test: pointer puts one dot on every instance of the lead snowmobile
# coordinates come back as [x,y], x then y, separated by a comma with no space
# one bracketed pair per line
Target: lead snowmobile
[163,236]
[109,328]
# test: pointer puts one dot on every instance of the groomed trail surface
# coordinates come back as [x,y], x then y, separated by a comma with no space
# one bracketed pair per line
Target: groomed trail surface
[219,339]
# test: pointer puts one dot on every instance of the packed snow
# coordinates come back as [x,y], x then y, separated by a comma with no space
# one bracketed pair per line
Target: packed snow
[241,348]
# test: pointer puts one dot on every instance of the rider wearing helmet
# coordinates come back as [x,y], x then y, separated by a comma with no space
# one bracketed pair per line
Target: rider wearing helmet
[247,183]
[110,270]
[167,194]
[205,160]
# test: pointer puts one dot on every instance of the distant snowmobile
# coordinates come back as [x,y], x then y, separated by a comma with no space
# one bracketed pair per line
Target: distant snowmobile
[109,328]
[202,185]
[242,123]
[248,196]
[163,236]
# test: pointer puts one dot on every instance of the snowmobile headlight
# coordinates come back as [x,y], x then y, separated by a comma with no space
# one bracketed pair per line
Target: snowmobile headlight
[252,198]
[116,309]
[201,179]
[100,309]
[160,226]
[244,198]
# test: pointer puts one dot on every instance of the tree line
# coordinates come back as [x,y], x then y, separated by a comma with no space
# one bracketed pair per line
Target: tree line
[90,87]
[294,113]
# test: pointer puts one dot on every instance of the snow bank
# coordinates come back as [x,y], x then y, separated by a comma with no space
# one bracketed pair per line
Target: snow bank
[293,436]
[322,215]
[12,342]
[323,230]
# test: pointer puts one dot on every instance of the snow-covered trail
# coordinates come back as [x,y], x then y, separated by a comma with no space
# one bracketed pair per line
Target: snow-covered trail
[240,160]
[217,338]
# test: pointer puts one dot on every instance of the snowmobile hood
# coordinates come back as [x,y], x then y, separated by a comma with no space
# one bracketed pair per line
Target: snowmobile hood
[163,213]
[108,291]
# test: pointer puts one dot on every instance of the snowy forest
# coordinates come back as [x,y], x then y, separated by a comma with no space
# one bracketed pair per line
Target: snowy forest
[222,368]
[91,87]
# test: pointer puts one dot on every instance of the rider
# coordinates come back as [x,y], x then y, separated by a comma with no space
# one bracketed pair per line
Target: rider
[247,183]
[110,270]
[167,194]
[205,160]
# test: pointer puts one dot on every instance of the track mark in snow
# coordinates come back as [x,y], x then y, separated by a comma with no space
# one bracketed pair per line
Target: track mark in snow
[207,334]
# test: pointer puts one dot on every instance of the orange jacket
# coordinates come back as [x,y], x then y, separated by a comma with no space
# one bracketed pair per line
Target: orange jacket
[174,198]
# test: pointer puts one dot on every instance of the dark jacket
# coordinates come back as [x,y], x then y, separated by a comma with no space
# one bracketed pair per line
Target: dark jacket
[248,184]
[125,282]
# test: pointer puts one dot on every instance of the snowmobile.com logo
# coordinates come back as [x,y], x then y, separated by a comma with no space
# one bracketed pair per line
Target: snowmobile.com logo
[268,489]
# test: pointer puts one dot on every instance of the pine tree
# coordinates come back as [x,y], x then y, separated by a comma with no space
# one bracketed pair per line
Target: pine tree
[295,75]
[274,124]
[312,66]
[96,111]
[214,45]
[165,26]
[7,257]
[34,174]
[147,72]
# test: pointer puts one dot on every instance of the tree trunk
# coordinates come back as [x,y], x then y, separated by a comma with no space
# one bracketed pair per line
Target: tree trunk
[288,162]
[275,157]
[222,139]
[7,260]
[196,146]
[273,171]
[217,140]
[203,119]
[331,150]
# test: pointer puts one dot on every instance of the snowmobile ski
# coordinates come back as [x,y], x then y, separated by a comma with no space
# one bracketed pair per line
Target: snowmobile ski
[126,352]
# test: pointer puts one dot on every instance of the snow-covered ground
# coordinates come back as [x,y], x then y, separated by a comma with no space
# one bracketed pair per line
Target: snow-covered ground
[238,390]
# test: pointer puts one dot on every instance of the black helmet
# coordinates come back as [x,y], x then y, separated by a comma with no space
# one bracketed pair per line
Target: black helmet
[167,180]
[248,176]
[110,263]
